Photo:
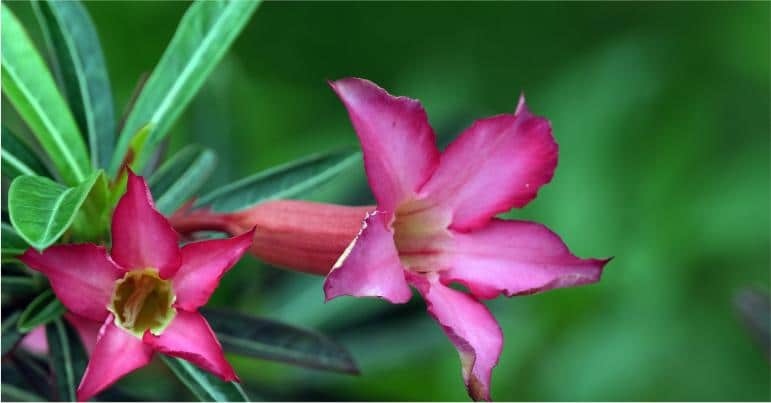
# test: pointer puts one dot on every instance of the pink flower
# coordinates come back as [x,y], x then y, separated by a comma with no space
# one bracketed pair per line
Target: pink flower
[145,293]
[435,224]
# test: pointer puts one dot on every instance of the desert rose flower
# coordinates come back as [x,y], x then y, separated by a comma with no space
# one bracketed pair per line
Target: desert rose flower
[434,223]
[145,293]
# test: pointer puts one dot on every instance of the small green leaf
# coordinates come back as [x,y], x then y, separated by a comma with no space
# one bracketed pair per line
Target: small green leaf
[18,159]
[9,333]
[180,177]
[67,358]
[29,86]
[43,309]
[41,209]
[12,393]
[76,51]
[204,34]
[270,340]
[12,244]
[92,221]
[205,386]
[282,182]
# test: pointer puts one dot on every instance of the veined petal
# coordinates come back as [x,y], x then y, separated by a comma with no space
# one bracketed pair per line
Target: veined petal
[189,337]
[82,276]
[516,257]
[87,329]
[141,236]
[370,267]
[116,353]
[203,265]
[398,143]
[498,163]
[471,328]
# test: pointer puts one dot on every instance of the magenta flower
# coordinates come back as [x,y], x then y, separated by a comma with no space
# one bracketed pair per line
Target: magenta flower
[146,293]
[435,224]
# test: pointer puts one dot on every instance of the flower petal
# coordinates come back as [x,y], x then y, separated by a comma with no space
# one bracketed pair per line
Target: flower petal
[35,341]
[82,276]
[370,267]
[116,353]
[498,163]
[471,328]
[141,236]
[203,265]
[87,329]
[189,337]
[516,257]
[398,143]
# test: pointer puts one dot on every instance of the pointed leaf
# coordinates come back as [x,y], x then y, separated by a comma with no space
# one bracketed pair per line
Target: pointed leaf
[43,309]
[270,340]
[67,358]
[180,177]
[205,386]
[282,182]
[203,36]
[41,209]
[29,86]
[9,333]
[75,47]
[18,158]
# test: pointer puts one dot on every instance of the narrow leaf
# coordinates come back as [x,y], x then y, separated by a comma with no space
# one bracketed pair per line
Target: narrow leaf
[18,158]
[203,36]
[43,309]
[19,286]
[270,340]
[12,244]
[180,177]
[41,209]
[282,182]
[12,393]
[9,333]
[205,386]
[78,55]
[29,86]
[67,358]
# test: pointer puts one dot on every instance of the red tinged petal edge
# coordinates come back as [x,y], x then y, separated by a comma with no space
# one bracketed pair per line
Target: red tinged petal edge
[190,337]
[141,236]
[82,276]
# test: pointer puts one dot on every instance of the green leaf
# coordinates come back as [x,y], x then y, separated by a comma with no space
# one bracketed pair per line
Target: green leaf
[92,221]
[75,48]
[9,332]
[12,244]
[282,182]
[180,177]
[29,86]
[18,159]
[270,340]
[204,34]
[67,358]
[43,309]
[21,285]
[12,393]
[41,209]
[205,386]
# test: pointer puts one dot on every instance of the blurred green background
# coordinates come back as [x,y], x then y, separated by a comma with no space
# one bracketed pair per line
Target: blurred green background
[661,111]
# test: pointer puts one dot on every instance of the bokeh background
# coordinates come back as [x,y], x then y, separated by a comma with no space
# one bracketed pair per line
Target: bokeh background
[661,111]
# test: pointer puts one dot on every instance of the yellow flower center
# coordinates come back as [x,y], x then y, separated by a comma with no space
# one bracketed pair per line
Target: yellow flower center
[141,301]
[420,234]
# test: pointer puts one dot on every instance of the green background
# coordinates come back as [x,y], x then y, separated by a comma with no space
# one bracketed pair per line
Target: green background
[661,111]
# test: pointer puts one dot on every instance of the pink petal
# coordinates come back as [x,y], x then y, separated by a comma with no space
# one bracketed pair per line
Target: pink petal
[189,337]
[35,341]
[116,353]
[87,329]
[370,267]
[141,236]
[471,328]
[498,163]
[82,276]
[203,265]
[398,143]
[516,257]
